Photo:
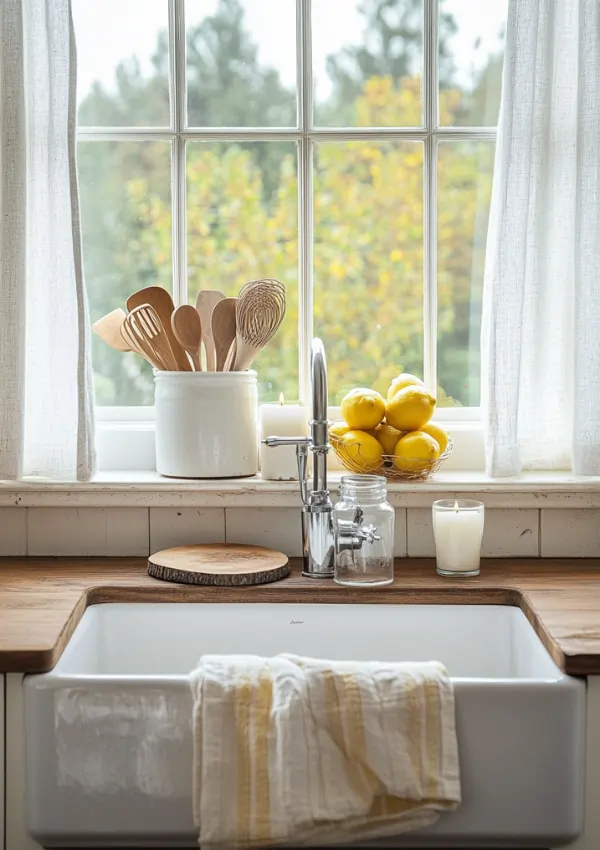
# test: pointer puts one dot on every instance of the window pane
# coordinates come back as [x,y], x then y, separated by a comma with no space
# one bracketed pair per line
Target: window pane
[464,189]
[122,63]
[241,63]
[126,217]
[368,258]
[367,63]
[471,52]
[242,224]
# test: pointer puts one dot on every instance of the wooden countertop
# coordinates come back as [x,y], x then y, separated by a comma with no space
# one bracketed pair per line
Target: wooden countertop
[43,599]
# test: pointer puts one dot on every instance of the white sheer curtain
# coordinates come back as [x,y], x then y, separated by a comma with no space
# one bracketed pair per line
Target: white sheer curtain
[46,403]
[541,310]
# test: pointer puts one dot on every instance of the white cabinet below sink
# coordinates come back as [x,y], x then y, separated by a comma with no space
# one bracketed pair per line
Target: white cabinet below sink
[2,763]
[108,731]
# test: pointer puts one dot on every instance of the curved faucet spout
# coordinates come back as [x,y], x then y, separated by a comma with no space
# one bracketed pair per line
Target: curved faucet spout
[318,542]
[319,424]
[319,381]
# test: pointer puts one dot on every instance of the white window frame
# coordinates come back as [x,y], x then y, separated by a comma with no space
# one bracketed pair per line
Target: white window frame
[305,135]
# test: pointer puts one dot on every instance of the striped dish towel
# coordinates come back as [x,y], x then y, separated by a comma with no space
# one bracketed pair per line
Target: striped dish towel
[291,750]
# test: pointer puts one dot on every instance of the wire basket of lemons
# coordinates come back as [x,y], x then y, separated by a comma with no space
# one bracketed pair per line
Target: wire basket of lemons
[394,437]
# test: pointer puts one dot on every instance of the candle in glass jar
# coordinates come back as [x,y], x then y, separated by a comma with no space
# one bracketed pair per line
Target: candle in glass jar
[281,420]
[458,531]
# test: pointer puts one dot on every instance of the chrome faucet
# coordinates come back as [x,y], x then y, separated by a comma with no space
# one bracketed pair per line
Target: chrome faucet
[319,532]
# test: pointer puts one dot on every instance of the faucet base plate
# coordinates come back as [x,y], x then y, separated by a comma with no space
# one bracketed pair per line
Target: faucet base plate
[317,575]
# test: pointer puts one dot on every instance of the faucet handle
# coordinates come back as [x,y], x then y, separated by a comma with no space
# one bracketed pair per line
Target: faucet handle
[302,461]
[273,442]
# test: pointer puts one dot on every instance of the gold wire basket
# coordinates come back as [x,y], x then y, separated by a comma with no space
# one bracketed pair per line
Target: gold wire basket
[351,459]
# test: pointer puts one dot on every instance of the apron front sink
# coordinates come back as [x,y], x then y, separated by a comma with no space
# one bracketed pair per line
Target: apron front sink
[109,739]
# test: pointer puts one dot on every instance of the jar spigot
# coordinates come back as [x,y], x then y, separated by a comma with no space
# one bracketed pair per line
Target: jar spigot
[351,534]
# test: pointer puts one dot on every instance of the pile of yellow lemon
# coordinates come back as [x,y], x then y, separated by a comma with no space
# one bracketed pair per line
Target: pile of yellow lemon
[398,428]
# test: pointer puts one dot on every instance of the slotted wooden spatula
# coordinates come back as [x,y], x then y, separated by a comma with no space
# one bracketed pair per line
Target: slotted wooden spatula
[143,324]
[161,301]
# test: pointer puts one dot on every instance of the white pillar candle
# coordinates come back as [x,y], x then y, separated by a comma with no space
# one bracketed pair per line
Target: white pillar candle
[458,530]
[281,420]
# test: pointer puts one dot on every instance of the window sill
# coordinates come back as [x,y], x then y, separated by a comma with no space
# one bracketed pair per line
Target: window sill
[148,489]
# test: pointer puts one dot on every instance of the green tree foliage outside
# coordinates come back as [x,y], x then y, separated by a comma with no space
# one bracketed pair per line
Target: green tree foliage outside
[242,205]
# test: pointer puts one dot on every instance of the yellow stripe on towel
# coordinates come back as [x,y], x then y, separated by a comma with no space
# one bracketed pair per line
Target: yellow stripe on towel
[433,741]
[347,728]
[242,702]
[356,745]
[261,717]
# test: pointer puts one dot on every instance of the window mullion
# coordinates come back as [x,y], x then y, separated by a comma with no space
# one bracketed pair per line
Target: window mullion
[305,194]
[124,134]
[178,158]
[430,95]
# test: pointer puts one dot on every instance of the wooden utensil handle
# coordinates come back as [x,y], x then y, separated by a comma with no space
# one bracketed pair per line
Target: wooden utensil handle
[211,355]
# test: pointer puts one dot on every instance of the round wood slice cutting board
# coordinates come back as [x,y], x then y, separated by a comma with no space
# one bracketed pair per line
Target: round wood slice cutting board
[225,564]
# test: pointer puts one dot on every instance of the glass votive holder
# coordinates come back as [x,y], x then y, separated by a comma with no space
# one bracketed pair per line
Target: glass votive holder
[457,531]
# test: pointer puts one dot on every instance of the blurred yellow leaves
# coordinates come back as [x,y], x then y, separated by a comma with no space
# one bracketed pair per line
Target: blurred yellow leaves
[242,222]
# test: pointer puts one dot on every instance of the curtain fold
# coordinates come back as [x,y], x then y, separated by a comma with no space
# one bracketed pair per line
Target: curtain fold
[46,410]
[541,302]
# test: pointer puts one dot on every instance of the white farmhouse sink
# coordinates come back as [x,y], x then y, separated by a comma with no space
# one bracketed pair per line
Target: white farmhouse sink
[108,732]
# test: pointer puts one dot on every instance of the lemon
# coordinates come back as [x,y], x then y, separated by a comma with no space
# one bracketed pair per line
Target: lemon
[337,430]
[362,450]
[387,436]
[363,409]
[415,452]
[438,434]
[401,381]
[409,409]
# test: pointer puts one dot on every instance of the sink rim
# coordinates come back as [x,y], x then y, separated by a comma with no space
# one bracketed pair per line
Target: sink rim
[58,676]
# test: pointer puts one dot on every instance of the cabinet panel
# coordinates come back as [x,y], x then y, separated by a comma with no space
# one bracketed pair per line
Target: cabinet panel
[2,762]
[16,836]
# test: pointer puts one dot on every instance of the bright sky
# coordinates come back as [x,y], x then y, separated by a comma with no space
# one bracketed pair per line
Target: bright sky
[113,30]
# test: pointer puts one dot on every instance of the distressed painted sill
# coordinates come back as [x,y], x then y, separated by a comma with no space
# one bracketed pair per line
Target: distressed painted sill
[148,489]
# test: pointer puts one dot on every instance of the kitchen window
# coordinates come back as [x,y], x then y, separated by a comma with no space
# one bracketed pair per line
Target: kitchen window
[344,147]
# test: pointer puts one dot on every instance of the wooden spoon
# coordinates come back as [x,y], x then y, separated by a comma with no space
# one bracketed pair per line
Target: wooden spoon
[187,327]
[205,304]
[223,329]
[260,312]
[160,300]
[143,324]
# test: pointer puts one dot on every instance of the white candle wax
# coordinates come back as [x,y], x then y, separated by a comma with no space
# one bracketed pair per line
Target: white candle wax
[458,533]
[281,420]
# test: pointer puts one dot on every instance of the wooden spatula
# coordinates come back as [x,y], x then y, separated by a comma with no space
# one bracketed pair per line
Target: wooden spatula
[205,304]
[162,303]
[223,329]
[108,328]
[187,327]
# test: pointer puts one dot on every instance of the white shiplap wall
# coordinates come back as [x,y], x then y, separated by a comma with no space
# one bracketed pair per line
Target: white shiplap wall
[137,531]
